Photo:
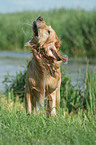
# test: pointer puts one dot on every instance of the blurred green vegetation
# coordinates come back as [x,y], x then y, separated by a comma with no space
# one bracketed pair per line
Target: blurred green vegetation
[75,28]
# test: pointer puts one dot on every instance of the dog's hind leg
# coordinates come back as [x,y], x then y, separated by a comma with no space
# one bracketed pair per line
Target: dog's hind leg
[27,101]
[58,95]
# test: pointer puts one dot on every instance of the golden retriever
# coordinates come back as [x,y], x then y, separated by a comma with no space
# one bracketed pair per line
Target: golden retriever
[43,77]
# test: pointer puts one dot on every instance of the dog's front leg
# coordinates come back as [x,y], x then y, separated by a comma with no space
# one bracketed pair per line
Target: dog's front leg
[58,95]
[51,104]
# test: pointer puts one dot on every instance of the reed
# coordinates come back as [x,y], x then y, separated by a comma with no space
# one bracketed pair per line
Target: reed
[75,29]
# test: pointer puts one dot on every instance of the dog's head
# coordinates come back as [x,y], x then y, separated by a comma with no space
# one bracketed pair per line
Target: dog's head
[45,41]
[44,34]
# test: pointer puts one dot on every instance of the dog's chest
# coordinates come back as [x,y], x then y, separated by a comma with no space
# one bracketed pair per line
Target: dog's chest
[51,83]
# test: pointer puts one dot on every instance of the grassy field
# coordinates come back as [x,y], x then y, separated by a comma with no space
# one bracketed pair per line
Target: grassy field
[17,128]
[75,28]
[75,123]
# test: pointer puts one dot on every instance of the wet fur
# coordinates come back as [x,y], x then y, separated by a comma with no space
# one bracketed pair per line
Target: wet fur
[43,77]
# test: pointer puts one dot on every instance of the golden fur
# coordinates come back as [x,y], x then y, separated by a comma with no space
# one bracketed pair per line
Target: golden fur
[43,77]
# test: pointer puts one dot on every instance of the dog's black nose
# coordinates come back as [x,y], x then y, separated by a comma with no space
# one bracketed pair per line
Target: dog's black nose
[40,18]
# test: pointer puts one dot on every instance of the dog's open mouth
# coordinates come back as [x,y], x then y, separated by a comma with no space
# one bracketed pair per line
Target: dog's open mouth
[35,29]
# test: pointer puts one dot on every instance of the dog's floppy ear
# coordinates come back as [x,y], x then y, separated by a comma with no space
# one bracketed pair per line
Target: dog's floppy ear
[57,43]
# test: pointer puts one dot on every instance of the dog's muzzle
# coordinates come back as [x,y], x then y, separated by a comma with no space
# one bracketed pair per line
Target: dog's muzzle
[40,18]
[35,29]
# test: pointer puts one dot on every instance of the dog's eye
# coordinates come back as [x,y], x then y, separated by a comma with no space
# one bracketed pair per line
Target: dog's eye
[48,31]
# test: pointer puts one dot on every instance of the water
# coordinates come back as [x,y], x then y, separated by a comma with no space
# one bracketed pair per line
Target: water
[12,62]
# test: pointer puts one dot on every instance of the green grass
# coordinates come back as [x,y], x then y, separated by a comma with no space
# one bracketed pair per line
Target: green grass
[18,128]
[75,29]
[75,123]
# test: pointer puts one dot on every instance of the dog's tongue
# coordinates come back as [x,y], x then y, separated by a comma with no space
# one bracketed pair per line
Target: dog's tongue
[62,58]
[57,56]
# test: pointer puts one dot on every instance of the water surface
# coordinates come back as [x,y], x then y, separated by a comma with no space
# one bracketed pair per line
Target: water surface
[12,62]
